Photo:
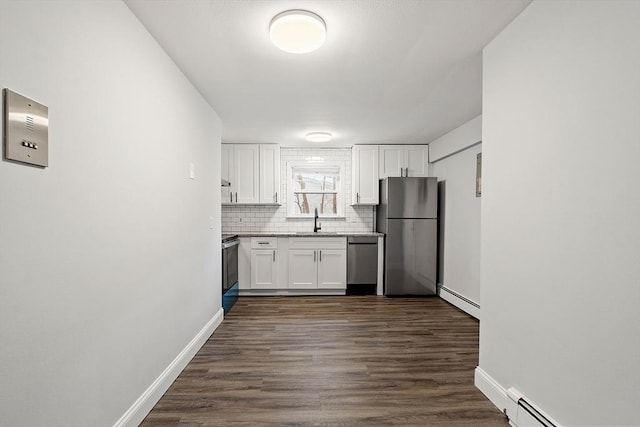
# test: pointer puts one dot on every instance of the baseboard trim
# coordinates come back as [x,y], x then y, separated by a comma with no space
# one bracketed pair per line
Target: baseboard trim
[143,405]
[507,400]
[468,306]
[490,388]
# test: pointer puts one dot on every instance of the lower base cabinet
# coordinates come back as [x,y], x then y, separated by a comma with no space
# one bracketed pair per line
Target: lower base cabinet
[264,269]
[303,269]
[278,265]
[264,263]
[317,263]
[332,269]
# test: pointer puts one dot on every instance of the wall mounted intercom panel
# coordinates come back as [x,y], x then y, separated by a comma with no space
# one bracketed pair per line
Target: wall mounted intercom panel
[26,130]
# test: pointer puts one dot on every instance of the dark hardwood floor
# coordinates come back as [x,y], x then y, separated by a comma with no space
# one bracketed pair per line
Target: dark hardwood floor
[333,361]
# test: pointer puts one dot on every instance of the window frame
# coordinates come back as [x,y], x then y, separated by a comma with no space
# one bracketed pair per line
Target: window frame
[339,192]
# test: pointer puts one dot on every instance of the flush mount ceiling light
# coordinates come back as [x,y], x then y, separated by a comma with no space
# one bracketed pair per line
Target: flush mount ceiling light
[318,137]
[298,31]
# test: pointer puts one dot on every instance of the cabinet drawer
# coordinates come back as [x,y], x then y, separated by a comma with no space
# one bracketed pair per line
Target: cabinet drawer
[318,243]
[264,242]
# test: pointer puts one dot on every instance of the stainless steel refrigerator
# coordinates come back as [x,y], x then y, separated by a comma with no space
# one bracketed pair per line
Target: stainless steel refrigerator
[408,216]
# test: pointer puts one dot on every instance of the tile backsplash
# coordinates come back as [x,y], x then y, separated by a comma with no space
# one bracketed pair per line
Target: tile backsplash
[273,219]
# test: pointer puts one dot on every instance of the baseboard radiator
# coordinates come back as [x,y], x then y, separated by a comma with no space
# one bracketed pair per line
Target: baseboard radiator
[523,414]
[441,288]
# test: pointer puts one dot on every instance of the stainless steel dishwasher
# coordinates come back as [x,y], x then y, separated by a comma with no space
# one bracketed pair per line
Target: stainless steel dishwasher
[362,265]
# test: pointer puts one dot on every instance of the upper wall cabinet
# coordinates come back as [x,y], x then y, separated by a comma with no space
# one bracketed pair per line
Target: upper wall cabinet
[226,169]
[404,160]
[364,170]
[270,174]
[253,171]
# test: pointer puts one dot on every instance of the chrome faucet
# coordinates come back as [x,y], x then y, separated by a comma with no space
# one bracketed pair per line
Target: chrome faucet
[316,224]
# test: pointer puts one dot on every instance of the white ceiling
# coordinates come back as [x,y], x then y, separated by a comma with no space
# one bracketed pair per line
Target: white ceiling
[391,71]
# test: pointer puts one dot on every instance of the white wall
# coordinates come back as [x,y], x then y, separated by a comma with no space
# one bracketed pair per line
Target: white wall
[270,219]
[459,247]
[108,265]
[560,249]
[457,140]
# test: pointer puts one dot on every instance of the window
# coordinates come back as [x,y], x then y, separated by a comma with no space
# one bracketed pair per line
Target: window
[314,186]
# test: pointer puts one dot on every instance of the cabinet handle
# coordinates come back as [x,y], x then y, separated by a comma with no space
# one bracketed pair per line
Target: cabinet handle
[314,256]
[320,256]
[276,197]
[406,173]
[236,197]
[263,243]
[274,256]
[357,197]
[230,196]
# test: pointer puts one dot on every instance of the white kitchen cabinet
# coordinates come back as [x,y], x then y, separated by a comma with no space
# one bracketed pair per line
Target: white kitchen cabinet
[403,160]
[391,160]
[246,173]
[317,263]
[364,171]
[269,173]
[253,171]
[264,269]
[264,263]
[226,170]
[303,269]
[417,160]
[332,269]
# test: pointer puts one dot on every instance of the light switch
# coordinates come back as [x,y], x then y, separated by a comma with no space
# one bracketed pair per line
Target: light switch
[26,125]
[192,171]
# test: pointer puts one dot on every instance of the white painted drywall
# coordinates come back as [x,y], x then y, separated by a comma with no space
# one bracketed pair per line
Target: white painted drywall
[109,267]
[459,226]
[560,247]
[458,139]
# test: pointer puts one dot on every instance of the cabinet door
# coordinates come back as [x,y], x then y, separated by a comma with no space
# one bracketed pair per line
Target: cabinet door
[226,170]
[417,160]
[264,269]
[332,269]
[270,173]
[391,160]
[303,269]
[364,183]
[246,168]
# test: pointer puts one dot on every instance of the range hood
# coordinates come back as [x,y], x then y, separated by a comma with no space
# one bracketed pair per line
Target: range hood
[226,183]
